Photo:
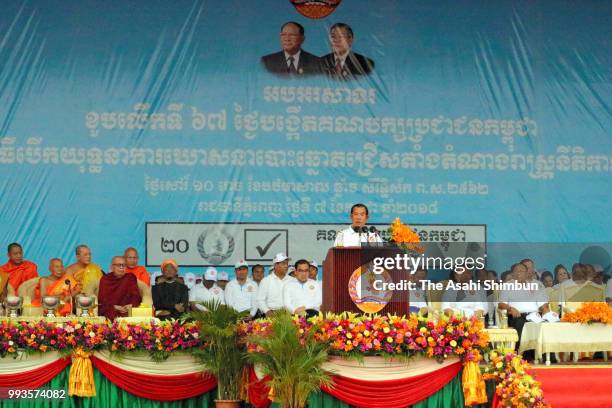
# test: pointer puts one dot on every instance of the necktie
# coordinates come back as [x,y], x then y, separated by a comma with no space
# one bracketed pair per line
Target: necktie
[338,66]
[291,69]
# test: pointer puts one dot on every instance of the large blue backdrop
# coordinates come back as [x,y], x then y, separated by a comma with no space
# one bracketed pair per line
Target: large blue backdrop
[113,114]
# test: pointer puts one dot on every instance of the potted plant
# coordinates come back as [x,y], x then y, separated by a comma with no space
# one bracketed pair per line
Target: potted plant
[292,359]
[223,356]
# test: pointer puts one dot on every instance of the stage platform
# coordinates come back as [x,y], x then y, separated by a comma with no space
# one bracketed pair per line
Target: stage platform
[583,385]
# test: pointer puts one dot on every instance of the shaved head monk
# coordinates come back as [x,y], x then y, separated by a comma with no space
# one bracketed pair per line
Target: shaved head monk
[83,270]
[118,291]
[58,284]
[18,269]
[131,266]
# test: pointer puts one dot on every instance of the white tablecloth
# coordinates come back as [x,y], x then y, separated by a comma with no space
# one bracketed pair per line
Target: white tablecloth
[566,337]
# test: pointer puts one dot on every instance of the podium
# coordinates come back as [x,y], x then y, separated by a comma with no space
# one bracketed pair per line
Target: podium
[338,267]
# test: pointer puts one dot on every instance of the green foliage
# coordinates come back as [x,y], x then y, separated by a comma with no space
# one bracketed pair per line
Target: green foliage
[223,356]
[294,361]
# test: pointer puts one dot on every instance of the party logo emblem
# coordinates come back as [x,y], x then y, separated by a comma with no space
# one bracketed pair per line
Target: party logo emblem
[366,289]
[315,9]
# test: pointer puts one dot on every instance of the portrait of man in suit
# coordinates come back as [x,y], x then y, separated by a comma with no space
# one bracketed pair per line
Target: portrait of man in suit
[343,63]
[292,61]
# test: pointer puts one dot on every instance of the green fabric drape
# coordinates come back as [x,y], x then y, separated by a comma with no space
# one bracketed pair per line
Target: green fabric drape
[108,395]
[450,396]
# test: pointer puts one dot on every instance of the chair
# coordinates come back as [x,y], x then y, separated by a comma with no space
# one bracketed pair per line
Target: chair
[146,304]
[553,299]
[575,295]
[434,297]
[27,292]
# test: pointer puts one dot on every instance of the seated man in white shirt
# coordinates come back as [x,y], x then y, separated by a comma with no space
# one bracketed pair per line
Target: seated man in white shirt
[270,292]
[357,233]
[241,292]
[418,297]
[302,296]
[532,276]
[464,301]
[206,291]
[520,303]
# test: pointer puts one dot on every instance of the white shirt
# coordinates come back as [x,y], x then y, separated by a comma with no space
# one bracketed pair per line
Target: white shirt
[199,293]
[609,289]
[348,238]
[296,59]
[473,301]
[297,294]
[270,292]
[525,301]
[242,297]
[417,297]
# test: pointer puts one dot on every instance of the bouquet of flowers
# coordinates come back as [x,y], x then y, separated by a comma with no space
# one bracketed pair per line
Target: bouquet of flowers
[515,388]
[592,312]
[404,237]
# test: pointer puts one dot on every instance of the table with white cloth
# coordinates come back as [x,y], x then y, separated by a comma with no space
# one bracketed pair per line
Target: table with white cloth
[565,337]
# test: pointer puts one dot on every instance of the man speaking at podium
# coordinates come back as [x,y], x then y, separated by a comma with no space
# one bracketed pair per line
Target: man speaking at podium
[358,232]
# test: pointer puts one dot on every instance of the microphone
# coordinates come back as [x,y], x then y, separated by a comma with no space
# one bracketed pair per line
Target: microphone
[67,283]
[364,229]
[373,230]
[356,229]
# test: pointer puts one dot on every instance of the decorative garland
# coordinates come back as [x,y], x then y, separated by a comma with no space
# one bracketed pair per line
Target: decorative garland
[158,340]
[354,335]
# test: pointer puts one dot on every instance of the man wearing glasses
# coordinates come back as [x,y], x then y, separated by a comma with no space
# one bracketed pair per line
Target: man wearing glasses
[292,61]
[343,63]
[118,291]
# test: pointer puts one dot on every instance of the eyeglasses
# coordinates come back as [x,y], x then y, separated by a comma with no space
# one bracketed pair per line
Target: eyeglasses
[119,265]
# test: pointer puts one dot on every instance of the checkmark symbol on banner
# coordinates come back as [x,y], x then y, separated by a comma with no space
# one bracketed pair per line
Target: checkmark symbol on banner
[262,251]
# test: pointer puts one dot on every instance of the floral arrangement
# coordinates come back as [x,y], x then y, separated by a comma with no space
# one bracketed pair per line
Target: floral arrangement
[44,336]
[592,312]
[404,237]
[515,388]
[358,335]
[156,339]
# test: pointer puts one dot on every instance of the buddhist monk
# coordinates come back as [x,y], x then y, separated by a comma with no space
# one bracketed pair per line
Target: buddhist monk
[4,277]
[19,270]
[131,261]
[59,284]
[118,291]
[170,297]
[83,270]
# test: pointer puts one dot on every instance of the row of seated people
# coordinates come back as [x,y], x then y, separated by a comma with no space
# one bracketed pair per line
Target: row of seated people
[127,286]
[243,293]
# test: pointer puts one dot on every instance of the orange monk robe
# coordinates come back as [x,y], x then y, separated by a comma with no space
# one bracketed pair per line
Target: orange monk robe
[19,273]
[57,288]
[85,276]
[141,274]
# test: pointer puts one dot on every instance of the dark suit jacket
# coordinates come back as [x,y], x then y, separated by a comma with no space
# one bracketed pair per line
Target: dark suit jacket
[277,64]
[355,65]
